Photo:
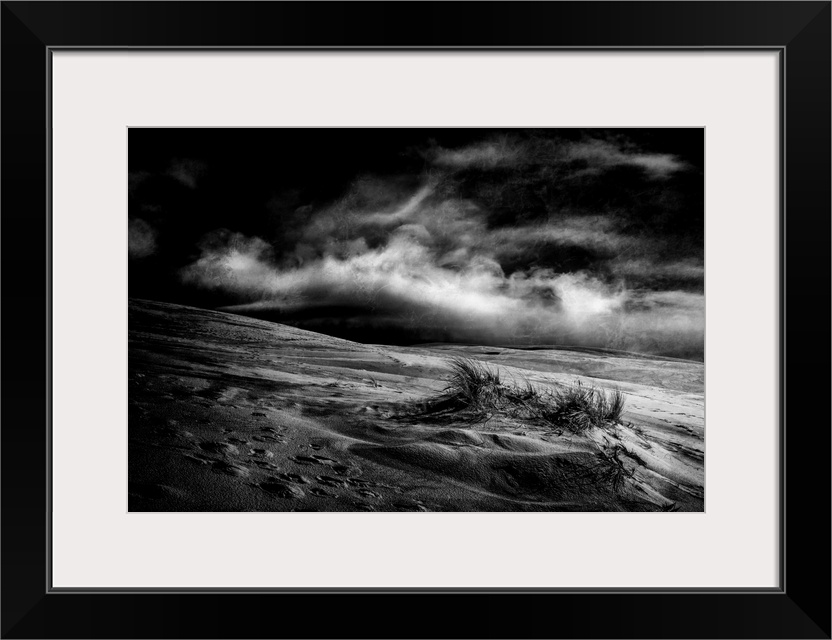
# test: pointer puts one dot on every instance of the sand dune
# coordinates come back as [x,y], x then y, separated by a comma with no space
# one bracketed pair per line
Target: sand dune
[228,413]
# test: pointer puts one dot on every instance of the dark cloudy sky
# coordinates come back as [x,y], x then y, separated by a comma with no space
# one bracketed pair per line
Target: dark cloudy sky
[588,237]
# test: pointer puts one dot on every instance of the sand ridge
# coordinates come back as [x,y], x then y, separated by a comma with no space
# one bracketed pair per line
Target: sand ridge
[229,413]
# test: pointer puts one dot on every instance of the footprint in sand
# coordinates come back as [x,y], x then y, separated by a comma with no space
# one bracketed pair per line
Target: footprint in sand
[295,478]
[346,470]
[329,481]
[360,482]
[230,469]
[316,447]
[236,440]
[281,489]
[321,492]
[368,494]
[197,459]
[313,460]
[219,447]
[263,453]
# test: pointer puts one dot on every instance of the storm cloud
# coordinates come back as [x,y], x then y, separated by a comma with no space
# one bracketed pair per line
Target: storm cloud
[141,240]
[513,238]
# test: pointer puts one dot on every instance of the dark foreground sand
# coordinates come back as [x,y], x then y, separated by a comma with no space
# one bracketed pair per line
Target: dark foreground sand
[228,413]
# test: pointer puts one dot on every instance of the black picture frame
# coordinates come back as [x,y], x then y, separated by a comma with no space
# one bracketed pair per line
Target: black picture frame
[799,31]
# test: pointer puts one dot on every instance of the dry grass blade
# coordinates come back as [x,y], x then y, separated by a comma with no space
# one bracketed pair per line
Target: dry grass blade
[475,387]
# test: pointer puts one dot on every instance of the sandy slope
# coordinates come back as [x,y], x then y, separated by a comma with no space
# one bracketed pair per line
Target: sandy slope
[229,413]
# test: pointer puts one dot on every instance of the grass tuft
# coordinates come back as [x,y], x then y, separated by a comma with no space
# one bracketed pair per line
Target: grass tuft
[579,407]
[611,468]
[475,387]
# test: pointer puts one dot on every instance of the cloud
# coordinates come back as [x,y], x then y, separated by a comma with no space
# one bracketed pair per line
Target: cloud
[141,238]
[598,233]
[596,154]
[606,154]
[495,256]
[483,155]
[691,269]
[232,263]
[405,285]
[186,171]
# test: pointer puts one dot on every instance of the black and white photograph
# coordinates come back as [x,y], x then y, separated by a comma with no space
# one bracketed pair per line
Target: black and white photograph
[416,319]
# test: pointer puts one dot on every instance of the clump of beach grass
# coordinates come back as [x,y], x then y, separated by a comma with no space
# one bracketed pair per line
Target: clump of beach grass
[475,386]
[579,407]
[479,389]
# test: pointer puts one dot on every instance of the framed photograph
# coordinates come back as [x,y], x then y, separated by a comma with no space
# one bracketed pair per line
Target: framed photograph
[349,306]
[436,320]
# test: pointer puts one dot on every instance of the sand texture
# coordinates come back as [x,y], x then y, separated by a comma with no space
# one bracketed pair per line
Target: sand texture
[228,413]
